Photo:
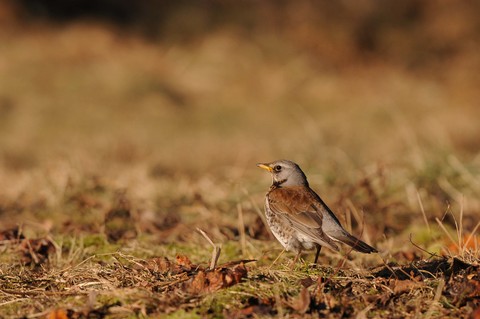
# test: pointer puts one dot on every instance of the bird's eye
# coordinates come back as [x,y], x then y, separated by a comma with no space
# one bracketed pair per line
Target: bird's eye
[277,168]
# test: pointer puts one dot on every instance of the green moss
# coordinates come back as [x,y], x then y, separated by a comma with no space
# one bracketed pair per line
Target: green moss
[183,314]
[230,251]
[95,240]
[424,236]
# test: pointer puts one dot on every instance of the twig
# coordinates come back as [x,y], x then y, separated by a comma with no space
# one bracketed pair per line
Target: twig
[423,211]
[32,253]
[446,232]
[276,259]
[13,301]
[241,229]
[216,249]
[42,292]
[363,313]
[173,283]
[394,273]
[278,301]
[461,247]
[420,248]
[471,235]
[438,294]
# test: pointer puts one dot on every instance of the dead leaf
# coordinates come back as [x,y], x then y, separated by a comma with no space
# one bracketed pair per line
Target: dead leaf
[406,255]
[210,281]
[255,307]
[307,282]
[198,283]
[475,314]
[158,264]
[239,272]
[401,286]
[330,301]
[11,234]
[216,280]
[302,302]
[36,251]
[469,242]
[57,314]
[163,265]
[183,261]
[463,286]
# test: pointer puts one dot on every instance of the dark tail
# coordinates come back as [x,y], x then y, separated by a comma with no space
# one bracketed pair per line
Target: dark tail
[356,244]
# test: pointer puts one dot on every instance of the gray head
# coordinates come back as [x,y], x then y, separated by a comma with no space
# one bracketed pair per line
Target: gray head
[285,173]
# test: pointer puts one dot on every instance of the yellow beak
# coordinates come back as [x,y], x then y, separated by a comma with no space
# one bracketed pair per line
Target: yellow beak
[265,166]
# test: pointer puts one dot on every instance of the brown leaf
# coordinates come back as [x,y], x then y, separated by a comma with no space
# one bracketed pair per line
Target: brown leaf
[198,283]
[210,281]
[464,286]
[57,314]
[255,307]
[253,311]
[36,251]
[216,280]
[307,282]
[239,272]
[475,314]
[400,286]
[158,264]
[302,302]
[406,255]
[184,261]
[163,265]
[469,242]
[11,234]
[330,301]
[235,263]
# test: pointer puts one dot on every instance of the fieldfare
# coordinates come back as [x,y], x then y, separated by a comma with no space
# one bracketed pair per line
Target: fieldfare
[298,217]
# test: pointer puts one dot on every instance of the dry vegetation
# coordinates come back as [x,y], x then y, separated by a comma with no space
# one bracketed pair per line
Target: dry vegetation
[116,148]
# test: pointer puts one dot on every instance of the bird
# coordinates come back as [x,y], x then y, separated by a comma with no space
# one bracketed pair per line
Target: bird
[298,218]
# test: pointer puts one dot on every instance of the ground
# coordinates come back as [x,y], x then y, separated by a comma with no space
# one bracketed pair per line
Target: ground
[121,158]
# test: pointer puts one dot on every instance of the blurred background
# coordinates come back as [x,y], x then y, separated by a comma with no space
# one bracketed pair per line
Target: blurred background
[181,99]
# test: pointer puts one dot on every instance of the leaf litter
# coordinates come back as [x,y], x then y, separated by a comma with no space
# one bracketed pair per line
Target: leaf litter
[154,285]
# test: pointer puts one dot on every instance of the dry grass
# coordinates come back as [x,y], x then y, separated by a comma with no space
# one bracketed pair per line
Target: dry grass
[113,150]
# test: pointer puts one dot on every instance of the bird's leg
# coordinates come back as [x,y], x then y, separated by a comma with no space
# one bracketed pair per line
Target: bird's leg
[295,259]
[276,259]
[318,253]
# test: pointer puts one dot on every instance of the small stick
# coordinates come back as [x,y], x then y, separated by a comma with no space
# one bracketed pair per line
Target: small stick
[241,229]
[423,211]
[216,249]
[276,259]
[32,253]
[471,235]
[420,248]
[447,233]
[459,230]
[438,294]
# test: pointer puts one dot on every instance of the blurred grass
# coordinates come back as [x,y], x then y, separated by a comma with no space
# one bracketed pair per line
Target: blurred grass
[215,108]
[87,102]
[91,111]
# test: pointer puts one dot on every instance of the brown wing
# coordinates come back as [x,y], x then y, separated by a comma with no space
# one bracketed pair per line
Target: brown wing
[300,207]
[332,227]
